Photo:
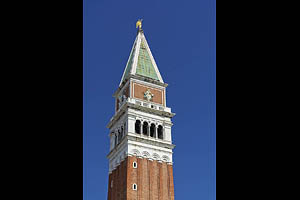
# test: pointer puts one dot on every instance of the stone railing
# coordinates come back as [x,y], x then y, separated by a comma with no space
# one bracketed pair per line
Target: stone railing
[148,104]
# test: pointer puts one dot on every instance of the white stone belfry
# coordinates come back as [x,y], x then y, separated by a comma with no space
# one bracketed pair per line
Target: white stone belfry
[141,125]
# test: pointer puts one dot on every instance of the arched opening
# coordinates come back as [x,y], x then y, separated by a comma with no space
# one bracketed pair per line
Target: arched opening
[138,126]
[119,136]
[152,130]
[134,165]
[134,187]
[145,128]
[160,132]
[116,140]
[122,131]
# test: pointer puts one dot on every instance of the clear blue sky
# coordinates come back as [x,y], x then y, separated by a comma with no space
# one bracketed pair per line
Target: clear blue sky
[181,35]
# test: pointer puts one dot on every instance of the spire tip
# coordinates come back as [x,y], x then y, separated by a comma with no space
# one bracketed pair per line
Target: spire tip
[139,24]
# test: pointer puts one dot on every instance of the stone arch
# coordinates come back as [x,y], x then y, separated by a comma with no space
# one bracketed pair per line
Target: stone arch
[155,156]
[115,139]
[160,132]
[165,158]
[146,154]
[119,135]
[138,126]
[145,128]
[122,131]
[135,152]
[152,130]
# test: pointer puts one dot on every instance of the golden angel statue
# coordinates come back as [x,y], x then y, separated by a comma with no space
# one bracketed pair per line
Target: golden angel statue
[139,24]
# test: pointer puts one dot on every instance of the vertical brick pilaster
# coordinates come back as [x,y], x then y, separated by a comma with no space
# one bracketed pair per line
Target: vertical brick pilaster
[153,176]
[123,173]
[165,188]
[171,182]
[144,180]
[140,178]
[119,177]
[117,185]
[114,189]
[160,178]
[132,175]
[109,188]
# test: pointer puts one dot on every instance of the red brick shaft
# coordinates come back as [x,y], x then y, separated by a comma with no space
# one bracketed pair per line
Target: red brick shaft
[154,180]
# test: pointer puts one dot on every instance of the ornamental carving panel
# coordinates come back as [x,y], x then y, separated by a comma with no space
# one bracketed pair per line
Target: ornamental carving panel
[154,95]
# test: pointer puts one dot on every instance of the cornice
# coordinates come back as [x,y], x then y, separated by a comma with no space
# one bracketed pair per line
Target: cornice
[161,144]
[119,147]
[146,79]
[117,115]
[126,141]
[126,105]
[150,110]
[123,84]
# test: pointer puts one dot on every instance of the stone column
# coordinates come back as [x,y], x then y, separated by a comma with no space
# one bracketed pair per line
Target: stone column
[167,132]
[149,125]
[131,124]
[112,141]
[141,127]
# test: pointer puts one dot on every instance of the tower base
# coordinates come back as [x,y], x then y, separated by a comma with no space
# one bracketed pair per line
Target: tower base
[141,179]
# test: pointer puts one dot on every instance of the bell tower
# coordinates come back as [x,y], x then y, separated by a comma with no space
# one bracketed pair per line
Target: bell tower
[140,157]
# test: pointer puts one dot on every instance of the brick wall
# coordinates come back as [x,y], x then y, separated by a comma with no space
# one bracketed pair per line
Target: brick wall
[139,91]
[154,180]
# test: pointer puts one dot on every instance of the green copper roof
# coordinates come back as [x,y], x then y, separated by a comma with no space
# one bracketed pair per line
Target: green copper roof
[144,64]
[129,64]
[140,61]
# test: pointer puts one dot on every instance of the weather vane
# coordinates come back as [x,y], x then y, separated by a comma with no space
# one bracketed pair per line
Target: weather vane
[139,24]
